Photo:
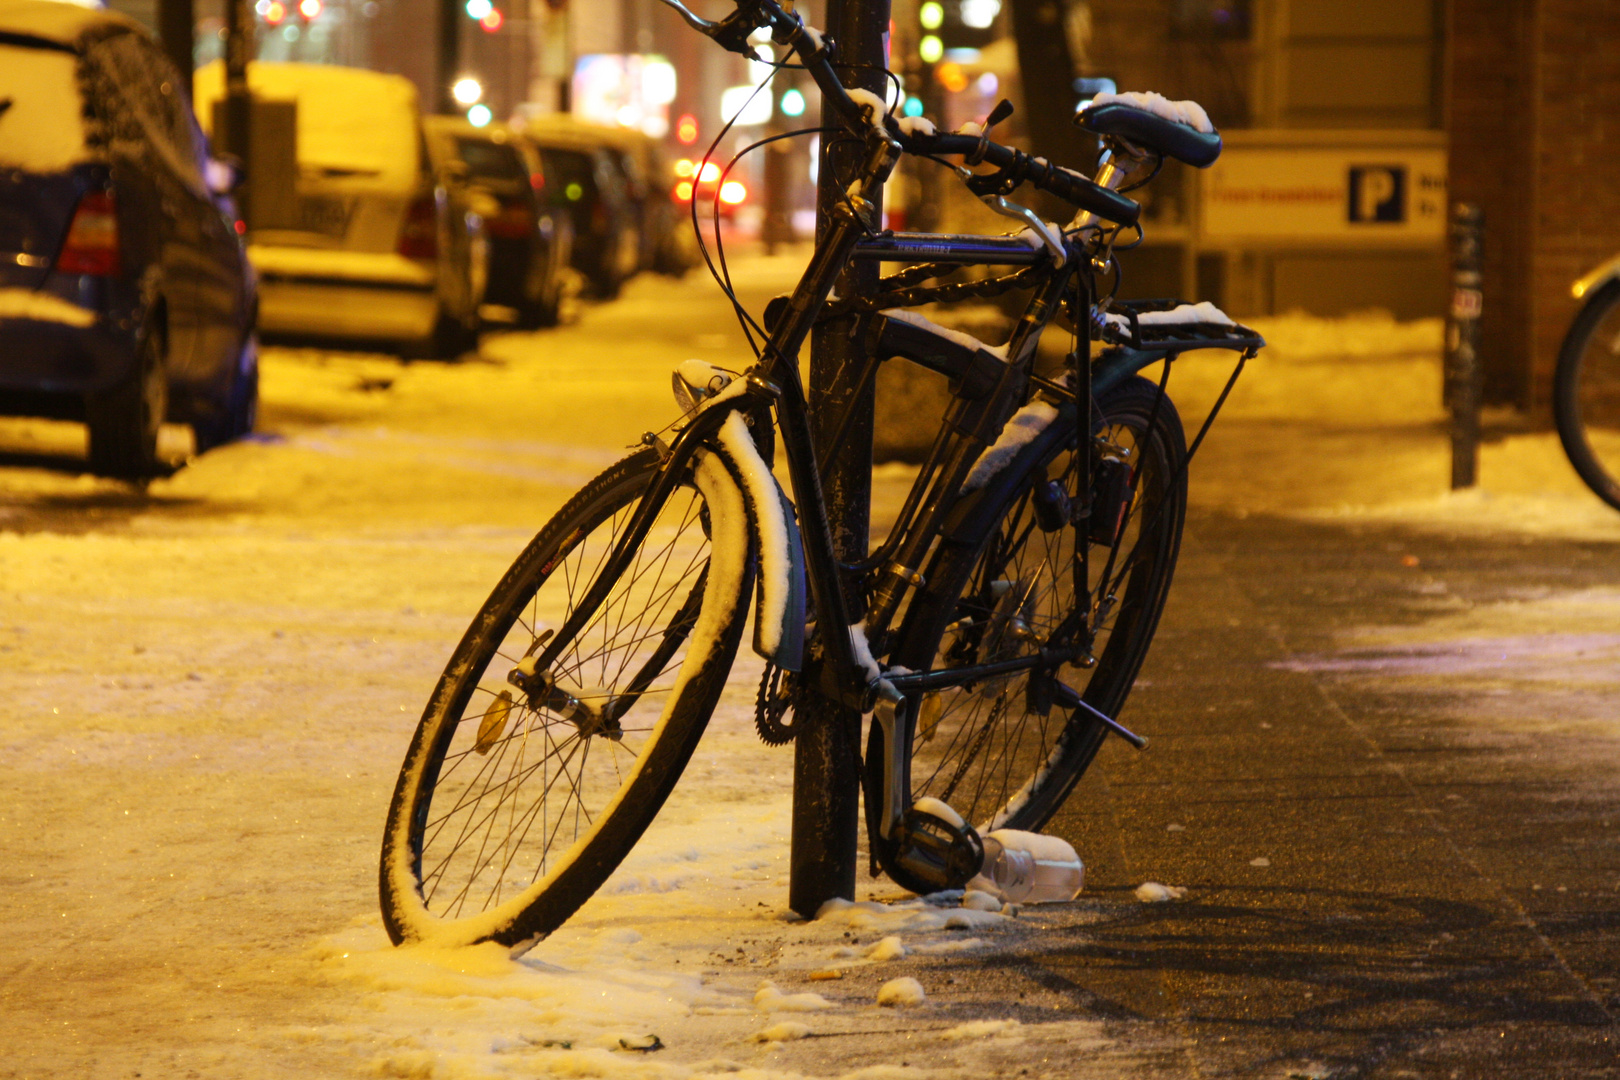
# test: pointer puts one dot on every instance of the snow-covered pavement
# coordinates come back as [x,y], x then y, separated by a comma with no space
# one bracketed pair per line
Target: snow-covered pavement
[207,690]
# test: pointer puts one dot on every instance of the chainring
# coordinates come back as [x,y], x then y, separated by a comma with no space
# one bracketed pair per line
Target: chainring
[777,701]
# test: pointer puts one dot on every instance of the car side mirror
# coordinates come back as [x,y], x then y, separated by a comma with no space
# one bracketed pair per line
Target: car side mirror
[225,174]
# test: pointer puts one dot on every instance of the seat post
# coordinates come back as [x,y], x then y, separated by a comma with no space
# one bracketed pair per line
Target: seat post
[1110,176]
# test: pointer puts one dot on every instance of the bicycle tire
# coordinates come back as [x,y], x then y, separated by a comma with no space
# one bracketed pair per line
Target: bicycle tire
[480,869]
[981,750]
[1586,393]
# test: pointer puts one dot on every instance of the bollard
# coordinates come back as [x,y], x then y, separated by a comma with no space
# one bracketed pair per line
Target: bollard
[1462,375]
[826,753]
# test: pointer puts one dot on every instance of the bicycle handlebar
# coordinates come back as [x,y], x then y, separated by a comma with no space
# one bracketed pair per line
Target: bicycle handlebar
[1066,184]
[787,28]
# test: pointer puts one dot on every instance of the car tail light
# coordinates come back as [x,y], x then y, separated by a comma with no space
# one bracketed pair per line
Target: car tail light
[732,192]
[92,240]
[419,232]
[513,222]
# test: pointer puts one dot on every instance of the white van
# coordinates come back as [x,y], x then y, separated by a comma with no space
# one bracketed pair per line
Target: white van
[371,252]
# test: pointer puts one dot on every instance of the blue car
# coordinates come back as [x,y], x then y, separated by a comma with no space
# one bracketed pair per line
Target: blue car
[125,296]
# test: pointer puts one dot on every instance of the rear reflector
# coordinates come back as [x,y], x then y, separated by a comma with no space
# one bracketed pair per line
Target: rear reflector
[92,240]
[419,232]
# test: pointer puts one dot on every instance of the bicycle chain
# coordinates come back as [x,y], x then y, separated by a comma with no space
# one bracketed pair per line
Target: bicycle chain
[951,292]
[775,702]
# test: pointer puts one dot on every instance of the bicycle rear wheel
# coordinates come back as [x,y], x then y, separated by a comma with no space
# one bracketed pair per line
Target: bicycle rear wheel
[515,802]
[998,757]
[1586,393]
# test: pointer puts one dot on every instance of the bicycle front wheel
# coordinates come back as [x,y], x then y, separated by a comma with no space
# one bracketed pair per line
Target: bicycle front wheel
[521,793]
[996,754]
[1586,393]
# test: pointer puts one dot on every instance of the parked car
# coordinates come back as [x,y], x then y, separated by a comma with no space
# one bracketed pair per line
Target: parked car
[372,249]
[583,176]
[488,172]
[665,231]
[125,298]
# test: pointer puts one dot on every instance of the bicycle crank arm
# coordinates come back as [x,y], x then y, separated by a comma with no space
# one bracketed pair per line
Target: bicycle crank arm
[1069,698]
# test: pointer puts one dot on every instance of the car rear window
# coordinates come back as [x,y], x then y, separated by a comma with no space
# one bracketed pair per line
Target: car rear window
[491,160]
[569,169]
[42,127]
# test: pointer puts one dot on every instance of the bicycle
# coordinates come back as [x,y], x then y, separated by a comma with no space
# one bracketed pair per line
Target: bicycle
[1586,384]
[1011,604]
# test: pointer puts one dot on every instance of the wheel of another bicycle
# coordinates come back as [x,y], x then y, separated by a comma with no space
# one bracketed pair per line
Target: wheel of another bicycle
[512,808]
[1586,393]
[1004,587]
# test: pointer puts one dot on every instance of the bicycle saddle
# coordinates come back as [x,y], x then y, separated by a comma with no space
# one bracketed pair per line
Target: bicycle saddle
[1142,119]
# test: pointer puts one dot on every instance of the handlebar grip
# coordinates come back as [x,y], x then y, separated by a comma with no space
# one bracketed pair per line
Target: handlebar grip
[1072,187]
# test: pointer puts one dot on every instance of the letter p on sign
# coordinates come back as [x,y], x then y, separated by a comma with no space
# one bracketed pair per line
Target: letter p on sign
[1377,193]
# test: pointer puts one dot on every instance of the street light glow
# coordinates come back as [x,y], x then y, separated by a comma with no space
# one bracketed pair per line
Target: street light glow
[479,115]
[792,102]
[931,15]
[477,9]
[466,91]
[930,49]
[980,14]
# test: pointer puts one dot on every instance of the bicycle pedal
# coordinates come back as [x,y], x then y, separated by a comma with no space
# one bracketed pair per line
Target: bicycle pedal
[934,844]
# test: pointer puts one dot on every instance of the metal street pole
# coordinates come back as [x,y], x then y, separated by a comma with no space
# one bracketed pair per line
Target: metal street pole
[449,55]
[826,754]
[239,47]
[177,21]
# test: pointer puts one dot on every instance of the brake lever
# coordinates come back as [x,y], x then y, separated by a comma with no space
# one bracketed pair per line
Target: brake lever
[695,21]
[730,33]
[1050,236]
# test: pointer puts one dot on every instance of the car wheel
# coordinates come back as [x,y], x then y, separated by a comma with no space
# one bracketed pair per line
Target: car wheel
[546,309]
[124,421]
[237,408]
[449,339]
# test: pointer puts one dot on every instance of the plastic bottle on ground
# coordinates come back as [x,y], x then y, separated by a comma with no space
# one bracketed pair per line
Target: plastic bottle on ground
[1029,868]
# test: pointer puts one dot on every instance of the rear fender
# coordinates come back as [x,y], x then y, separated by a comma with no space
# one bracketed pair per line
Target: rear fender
[1596,279]
[780,602]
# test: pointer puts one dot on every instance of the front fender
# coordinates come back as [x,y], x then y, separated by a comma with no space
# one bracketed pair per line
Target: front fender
[780,607]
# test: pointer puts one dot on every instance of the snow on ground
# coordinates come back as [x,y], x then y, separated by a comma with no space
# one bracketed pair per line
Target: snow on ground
[209,687]
[1341,420]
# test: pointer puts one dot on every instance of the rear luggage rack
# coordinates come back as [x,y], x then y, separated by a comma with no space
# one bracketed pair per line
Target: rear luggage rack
[1125,328]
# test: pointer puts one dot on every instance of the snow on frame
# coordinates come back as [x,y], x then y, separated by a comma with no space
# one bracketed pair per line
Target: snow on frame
[1022,429]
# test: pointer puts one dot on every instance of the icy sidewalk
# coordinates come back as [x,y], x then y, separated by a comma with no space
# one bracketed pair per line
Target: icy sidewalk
[208,690]
[1341,420]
